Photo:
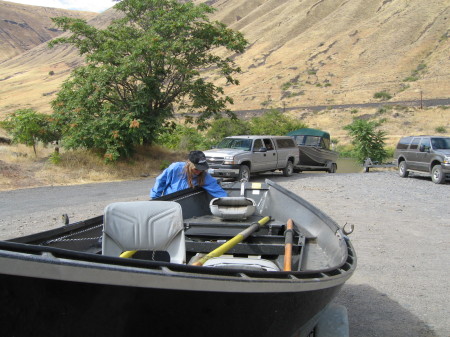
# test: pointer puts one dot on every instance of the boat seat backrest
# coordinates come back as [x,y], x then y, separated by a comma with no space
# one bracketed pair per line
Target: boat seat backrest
[144,225]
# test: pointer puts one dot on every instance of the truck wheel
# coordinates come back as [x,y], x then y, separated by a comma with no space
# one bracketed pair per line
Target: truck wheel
[436,174]
[244,173]
[333,168]
[402,171]
[289,169]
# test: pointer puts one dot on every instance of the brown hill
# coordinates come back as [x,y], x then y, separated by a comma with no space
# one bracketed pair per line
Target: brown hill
[23,27]
[323,52]
[308,52]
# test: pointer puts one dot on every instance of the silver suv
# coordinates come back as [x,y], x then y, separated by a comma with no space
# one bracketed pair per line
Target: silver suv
[429,154]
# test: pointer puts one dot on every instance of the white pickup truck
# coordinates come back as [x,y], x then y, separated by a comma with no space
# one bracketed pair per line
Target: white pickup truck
[239,156]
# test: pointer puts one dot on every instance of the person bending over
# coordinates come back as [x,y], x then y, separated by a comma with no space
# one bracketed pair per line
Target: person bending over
[181,175]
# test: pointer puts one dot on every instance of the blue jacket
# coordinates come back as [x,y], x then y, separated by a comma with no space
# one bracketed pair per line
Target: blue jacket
[174,179]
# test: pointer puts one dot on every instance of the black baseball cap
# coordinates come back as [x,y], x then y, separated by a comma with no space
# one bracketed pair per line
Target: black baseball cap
[199,160]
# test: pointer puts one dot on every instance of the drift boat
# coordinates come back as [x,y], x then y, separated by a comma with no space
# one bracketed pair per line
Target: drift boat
[314,151]
[260,262]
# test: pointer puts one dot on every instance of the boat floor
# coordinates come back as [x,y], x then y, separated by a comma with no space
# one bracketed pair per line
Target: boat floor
[208,232]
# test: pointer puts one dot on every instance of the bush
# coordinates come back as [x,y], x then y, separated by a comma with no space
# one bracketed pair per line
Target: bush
[29,127]
[383,95]
[367,142]
[275,123]
[182,138]
[224,127]
[441,129]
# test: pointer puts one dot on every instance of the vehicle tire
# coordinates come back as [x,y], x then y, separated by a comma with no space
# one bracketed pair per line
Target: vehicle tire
[333,168]
[244,173]
[289,169]
[436,174]
[402,170]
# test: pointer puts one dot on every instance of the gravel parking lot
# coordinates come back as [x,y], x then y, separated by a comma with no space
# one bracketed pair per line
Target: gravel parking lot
[402,237]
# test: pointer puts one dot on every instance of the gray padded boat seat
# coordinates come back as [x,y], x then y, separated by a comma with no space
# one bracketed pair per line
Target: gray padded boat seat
[232,208]
[144,225]
[241,263]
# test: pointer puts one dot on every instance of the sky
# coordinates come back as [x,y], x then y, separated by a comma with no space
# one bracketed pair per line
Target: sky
[79,5]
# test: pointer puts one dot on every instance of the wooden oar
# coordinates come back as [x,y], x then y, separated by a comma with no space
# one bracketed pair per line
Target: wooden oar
[288,240]
[233,242]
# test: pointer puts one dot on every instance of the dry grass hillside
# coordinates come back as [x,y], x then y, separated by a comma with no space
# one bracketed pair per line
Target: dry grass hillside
[300,53]
[23,27]
[326,52]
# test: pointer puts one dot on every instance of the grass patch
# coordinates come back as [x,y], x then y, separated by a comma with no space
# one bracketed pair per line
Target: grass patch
[22,168]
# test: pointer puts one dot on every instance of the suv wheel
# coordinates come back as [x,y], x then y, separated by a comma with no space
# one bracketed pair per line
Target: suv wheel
[289,169]
[402,171]
[244,173]
[436,174]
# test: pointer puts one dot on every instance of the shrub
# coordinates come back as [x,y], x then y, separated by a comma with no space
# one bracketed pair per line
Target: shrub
[55,158]
[224,127]
[441,129]
[29,127]
[367,142]
[274,122]
[411,79]
[383,95]
[182,138]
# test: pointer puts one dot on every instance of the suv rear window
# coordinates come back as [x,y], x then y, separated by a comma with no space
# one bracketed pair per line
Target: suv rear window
[415,144]
[403,143]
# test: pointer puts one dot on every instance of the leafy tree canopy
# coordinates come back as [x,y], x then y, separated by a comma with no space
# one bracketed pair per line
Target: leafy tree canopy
[274,122]
[139,69]
[367,141]
[224,127]
[28,127]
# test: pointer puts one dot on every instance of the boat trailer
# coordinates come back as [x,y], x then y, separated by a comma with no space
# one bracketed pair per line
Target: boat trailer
[368,163]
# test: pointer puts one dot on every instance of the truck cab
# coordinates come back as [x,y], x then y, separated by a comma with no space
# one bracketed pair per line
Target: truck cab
[240,156]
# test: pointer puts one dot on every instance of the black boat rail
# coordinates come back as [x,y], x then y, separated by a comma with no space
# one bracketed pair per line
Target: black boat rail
[40,251]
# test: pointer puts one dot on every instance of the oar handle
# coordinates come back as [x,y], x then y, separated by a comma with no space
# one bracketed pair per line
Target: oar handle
[127,254]
[222,249]
[288,240]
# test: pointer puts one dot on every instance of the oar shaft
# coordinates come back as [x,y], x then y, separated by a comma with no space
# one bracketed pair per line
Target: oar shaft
[289,238]
[127,254]
[232,242]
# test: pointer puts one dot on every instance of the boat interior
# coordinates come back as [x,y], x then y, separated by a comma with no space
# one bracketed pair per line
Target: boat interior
[185,226]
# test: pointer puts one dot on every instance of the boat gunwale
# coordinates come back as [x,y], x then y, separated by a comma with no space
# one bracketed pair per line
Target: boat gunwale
[59,253]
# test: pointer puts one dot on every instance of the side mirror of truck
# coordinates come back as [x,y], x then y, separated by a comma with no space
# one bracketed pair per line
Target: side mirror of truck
[262,149]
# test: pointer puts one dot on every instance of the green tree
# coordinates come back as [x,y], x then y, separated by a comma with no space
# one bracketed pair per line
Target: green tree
[182,138]
[274,122]
[224,127]
[367,141]
[139,69]
[28,127]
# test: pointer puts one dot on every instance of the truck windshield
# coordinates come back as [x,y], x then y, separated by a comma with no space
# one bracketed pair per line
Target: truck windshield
[440,143]
[235,143]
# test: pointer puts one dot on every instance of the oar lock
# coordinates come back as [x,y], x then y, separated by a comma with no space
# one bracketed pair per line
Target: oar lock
[348,232]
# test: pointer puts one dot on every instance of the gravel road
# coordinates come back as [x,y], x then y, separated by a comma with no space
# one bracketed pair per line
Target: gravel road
[402,239]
